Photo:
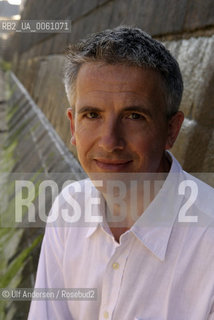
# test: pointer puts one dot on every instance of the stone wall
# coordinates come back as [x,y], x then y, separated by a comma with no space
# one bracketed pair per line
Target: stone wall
[194,147]
[159,18]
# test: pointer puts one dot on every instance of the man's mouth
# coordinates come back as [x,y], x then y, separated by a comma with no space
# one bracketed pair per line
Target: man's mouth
[112,164]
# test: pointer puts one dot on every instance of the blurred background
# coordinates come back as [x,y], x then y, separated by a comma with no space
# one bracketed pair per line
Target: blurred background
[33,101]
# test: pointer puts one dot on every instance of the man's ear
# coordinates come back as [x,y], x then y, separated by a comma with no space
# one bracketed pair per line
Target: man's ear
[70,114]
[174,126]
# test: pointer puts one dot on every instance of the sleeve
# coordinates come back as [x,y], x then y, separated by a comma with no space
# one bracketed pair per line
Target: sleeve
[50,275]
[211,315]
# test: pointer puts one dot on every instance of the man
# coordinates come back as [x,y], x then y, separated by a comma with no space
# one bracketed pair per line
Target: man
[148,256]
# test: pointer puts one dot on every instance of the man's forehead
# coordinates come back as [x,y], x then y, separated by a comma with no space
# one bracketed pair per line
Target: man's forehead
[127,85]
[116,77]
[99,68]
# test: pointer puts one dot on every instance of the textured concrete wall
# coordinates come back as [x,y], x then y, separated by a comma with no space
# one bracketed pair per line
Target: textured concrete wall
[162,17]
[187,28]
[44,82]
[194,147]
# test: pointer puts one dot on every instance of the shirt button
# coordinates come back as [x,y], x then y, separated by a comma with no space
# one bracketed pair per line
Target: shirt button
[115,266]
[105,315]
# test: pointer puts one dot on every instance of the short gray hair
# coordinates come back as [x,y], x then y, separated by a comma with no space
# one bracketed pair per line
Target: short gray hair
[130,46]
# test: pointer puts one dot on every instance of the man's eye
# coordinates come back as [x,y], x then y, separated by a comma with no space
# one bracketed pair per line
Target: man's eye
[135,116]
[92,115]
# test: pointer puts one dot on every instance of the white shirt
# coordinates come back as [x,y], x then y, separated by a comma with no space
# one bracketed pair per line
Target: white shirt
[161,269]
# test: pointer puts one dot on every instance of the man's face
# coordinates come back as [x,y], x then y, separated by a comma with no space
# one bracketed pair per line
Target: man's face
[119,123]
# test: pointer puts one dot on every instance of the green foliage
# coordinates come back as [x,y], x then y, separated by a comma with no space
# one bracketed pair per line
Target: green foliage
[18,263]
[5,65]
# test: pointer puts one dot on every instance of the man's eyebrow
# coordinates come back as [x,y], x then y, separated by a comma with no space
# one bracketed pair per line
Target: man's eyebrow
[88,109]
[138,109]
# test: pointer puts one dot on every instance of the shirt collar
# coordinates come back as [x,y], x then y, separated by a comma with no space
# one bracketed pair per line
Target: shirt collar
[154,226]
[91,230]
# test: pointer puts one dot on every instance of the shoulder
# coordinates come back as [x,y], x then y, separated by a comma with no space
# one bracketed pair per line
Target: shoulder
[75,190]
[67,215]
[68,202]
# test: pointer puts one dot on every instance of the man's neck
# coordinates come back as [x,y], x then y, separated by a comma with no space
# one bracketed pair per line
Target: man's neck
[117,232]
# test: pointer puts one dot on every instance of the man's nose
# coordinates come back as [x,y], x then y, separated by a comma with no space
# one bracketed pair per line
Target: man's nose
[111,137]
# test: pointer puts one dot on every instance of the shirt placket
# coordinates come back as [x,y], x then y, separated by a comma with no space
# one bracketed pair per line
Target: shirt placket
[112,280]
